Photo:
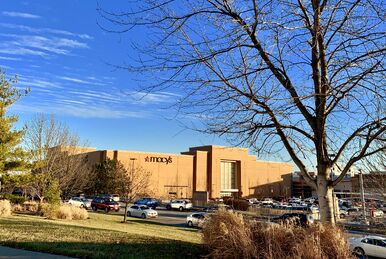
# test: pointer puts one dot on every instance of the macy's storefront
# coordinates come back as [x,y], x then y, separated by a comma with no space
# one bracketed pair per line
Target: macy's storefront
[206,172]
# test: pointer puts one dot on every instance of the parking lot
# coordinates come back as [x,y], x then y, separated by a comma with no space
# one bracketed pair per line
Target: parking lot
[168,217]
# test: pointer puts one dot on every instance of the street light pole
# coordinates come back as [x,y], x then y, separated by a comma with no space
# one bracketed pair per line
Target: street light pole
[127,191]
[362,195]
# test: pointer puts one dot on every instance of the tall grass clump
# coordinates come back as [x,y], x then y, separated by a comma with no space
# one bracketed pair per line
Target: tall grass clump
[64,211]
[5,208]
[229,235]
[71,212]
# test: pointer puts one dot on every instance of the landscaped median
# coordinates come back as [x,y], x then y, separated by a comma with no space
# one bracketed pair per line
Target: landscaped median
[100,236]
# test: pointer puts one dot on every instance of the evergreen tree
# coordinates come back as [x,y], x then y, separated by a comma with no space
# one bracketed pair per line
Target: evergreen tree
[11,154]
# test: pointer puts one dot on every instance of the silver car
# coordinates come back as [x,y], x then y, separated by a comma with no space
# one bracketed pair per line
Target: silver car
[80,202]
[368,246]
[141,211]
[196,219]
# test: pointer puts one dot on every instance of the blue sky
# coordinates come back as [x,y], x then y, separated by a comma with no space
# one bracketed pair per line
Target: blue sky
[59,52]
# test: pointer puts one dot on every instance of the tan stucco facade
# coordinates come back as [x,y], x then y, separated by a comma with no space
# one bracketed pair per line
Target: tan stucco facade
[199,171]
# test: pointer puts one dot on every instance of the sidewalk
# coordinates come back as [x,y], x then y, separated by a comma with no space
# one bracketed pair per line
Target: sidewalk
[7,252]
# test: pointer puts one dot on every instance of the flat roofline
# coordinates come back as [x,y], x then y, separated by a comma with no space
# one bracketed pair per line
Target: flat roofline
[145,152]
[216,146]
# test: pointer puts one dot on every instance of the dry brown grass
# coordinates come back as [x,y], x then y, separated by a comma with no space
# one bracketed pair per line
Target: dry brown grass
[5,208]
[71,212]
[29,206]
[17,208]
[64,211]
[229,235]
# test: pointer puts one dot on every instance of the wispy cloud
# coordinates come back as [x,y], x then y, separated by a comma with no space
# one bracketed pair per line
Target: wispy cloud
[160,97]
[82,111]
[38,45]
[92,81]
[10,58]
[12,50]
[20,15]
[44,30]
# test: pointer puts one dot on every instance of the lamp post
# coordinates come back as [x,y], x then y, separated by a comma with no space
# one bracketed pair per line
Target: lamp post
[362,196]
[127,191]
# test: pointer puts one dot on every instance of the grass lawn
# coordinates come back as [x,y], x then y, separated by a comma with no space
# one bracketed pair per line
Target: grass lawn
[101,236]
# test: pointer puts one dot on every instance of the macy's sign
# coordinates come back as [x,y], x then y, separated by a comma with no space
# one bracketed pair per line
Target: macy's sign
[166,160]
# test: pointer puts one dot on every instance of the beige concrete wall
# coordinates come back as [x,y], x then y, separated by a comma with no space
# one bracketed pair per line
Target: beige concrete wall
[175,175]
[199,170]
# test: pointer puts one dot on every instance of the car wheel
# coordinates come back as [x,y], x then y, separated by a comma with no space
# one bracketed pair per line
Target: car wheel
[82,206]
[342,216]
[181,208]
[129,214]
[143,216]
[190,224]
[107,210]
[94,208]
[359,252]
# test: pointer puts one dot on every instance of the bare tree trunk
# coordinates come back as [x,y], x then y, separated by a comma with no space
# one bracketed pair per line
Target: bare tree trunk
[326,201]
[125,215]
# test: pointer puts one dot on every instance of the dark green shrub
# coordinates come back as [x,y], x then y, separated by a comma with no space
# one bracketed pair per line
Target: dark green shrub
[14,199]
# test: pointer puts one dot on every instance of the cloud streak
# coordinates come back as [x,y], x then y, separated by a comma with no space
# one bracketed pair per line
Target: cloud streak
[21,15]
[44,30]
[38,45]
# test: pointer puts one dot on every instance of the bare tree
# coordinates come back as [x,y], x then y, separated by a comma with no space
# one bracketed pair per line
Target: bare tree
[306,76]
[56,154]
[131,183]
[375,173]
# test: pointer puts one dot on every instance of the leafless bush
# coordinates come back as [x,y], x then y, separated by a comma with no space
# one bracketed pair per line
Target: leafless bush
[5,208]
[237,204]
[229,235]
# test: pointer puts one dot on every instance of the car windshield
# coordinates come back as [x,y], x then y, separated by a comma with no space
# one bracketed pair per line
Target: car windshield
[144,207]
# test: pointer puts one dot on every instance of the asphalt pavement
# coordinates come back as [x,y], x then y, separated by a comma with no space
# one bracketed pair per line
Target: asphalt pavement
[13,253]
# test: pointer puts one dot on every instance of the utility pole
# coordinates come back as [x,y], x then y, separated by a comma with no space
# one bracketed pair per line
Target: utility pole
[362,196]
[127,191]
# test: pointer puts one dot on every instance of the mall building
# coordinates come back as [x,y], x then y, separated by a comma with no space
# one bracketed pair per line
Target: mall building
[205,172]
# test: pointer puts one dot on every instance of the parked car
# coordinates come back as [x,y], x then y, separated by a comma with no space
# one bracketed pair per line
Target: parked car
[196,219]
[181,205]
[368,246]
[105,204]
[298,219]
[377,213]
[253,201]
[142,211]
[114,197]
[80,202]
[150,202]
[343,213]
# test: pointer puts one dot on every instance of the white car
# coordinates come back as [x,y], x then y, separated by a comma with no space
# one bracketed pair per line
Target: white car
[142,211]
[196,219]
[378,213]
[180,205]
[368,246]
[80,202]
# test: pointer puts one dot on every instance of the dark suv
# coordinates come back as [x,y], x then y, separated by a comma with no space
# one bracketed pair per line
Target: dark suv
[298,219]
[105,204]
[150,202]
